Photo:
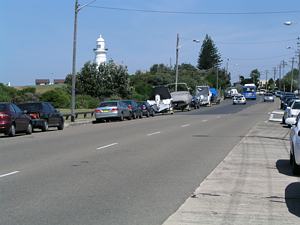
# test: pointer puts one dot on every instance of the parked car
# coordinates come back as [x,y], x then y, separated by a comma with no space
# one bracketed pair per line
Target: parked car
[112,109]
[13,120]
[239,99]
[291,111]
[268,97]
[295,145]
[134,109]
[147,109]
[286,100]
[278,93]
[43,115]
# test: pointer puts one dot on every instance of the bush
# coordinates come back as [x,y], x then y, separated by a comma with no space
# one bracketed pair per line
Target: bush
[86,102]
[58,97]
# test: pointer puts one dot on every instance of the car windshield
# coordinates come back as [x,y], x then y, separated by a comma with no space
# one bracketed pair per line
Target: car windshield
[3,107]
[108,104]
[268,94]
[127,102]
[204,90]
[296,105]
[31,107]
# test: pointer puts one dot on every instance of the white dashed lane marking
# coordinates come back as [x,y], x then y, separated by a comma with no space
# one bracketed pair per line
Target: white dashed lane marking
[106,146]
[8,174]
[158,132]
[185,125]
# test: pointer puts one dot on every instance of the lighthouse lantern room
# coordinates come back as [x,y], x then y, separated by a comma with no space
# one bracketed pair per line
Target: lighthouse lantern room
[100,51]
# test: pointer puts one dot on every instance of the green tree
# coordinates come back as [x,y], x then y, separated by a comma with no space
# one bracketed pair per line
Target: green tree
[255,75]
[103,81]
[208,56]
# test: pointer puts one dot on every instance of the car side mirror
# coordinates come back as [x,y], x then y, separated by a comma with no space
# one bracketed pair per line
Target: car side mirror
[288,107]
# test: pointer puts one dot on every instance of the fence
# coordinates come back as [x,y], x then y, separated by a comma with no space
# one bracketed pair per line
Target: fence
[89,114]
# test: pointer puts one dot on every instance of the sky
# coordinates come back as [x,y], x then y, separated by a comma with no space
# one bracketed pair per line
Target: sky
[36,36]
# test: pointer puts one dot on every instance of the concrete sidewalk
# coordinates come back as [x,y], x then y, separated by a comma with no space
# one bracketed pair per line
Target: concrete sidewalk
[252,185]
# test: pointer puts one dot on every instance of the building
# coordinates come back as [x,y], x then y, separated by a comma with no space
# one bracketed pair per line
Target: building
[58,81]
[100,51]
[42,82]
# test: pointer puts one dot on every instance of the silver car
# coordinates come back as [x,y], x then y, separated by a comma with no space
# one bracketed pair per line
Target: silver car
[268,97]
[112,109]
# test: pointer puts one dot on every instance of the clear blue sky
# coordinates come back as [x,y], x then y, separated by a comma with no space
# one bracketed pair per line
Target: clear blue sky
[36,36]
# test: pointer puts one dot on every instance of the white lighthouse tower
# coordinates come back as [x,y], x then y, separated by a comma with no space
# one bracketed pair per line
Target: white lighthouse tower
[100,51]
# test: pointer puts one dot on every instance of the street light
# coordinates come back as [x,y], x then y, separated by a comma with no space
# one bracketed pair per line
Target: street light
[77,9]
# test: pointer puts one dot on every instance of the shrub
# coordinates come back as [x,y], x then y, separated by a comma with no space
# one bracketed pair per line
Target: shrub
[58,97]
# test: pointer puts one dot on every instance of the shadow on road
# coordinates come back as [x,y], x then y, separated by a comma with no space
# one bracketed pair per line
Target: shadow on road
[292,198]
[283,166]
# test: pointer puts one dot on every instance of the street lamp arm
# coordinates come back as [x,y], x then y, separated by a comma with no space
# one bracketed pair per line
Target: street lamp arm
[81,7]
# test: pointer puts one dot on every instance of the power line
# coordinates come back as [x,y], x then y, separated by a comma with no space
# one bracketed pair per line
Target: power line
[271,57]
[253,43]
[194,12]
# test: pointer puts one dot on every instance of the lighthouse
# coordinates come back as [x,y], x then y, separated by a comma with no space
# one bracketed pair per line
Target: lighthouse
[100,51]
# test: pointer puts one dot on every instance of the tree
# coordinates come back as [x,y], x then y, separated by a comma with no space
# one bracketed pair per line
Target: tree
[255,75]
[208,56]
[103,81]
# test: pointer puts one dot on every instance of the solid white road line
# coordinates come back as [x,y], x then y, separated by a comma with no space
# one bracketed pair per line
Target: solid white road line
[186,125]
[106,146]
[204,120]
[158,132]
[8,174]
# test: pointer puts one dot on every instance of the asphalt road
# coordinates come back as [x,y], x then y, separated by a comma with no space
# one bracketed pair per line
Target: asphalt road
[133,172]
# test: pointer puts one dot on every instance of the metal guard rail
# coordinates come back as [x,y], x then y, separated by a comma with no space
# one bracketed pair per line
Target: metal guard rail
[85,114]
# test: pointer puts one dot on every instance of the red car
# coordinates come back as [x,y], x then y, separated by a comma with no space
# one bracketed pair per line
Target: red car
[13,120]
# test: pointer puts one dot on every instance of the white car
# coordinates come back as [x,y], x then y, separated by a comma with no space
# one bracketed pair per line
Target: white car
[295,145]
[239,99]
[291,111]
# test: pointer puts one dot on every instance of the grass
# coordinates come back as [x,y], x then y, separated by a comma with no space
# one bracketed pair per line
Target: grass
[40,89]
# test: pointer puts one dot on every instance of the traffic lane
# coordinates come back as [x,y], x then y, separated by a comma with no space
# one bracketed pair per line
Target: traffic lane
[140,182]
[44,148]
[226,107]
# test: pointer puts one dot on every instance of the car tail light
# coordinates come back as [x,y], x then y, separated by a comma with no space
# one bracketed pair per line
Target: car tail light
[4,116]
[98,110]
[130,107]
[34,115]
[114,109]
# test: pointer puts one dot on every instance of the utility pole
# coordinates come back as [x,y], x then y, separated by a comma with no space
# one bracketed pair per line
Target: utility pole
[279,68]
[267,80]
[292,74]
[298,47]
[275,70]
[74,63]
[176,73]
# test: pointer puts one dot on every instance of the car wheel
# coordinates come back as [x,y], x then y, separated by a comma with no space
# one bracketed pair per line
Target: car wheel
[141,115]
[148,114]
[29,129]
[152,114]
[61,125]
[121,117]
[45,126]
[12,131]
[295,167]
[134,116]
